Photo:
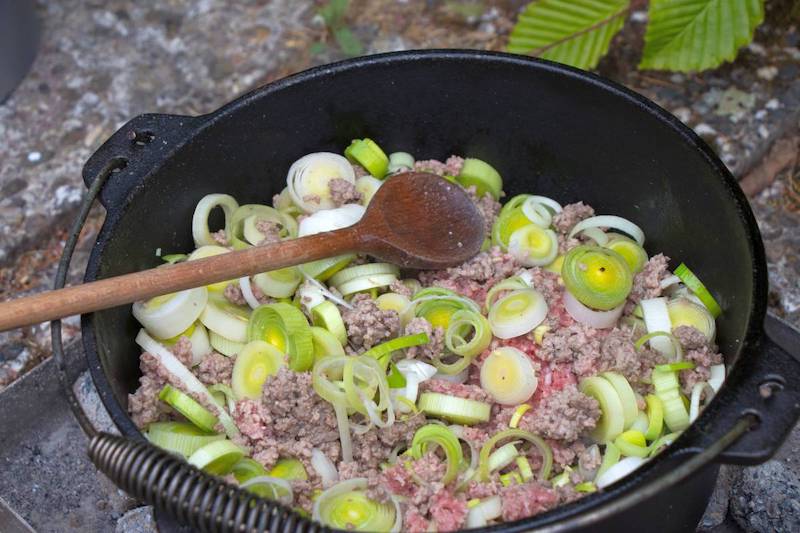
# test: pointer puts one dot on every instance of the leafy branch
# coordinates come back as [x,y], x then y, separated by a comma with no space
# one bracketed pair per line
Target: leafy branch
[681,35]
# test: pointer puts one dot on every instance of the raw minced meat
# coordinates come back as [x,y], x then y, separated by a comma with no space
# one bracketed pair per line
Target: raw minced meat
[435,346]
[215,368]
[451,167]
[271,231]
[488,207]
[367,325]
[647,283]
[566,415]
[343,192]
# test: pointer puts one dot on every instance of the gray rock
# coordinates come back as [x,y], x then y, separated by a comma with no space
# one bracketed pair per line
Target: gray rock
[87,395]
[717,509]
[139,520]
[767,499]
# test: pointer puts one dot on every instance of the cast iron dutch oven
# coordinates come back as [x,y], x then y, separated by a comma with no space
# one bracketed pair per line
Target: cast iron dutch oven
[548,129]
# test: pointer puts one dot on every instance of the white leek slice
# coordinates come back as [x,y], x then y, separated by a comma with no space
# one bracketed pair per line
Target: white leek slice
[537,212]
[591,317]
[367,186]
[200,232]
[366,282]
[187,379]
[508,376]
[367,269]
[532,245]
[619,471]
[391,301]
[281,283]
[685,312]
[201,345]
[226,319]
[168,315]
[309,178]
[717,377]
[331,219]
[415,373]
[247,292]
[694,400]
[489,509]
[610,221]
[517,313]
[400,161]
[626,395]
[656,318]
[324,467]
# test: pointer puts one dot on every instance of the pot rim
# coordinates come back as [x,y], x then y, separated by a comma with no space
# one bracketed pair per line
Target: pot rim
[560,517]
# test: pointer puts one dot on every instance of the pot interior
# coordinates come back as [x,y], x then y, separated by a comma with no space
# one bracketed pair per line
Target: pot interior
[548,130]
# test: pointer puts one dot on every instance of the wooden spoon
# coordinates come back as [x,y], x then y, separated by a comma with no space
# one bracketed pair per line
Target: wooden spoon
[415,220]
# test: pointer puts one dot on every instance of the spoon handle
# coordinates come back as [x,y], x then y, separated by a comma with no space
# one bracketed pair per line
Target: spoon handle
[146,284]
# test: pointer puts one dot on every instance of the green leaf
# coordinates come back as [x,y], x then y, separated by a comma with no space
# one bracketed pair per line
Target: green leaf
[348,42]
[317,48]
[689,35]
[574,32]
[333,12]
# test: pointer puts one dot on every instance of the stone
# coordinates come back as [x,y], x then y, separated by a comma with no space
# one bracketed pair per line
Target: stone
[717,509]
[767,499]
[139,520]
[87,396]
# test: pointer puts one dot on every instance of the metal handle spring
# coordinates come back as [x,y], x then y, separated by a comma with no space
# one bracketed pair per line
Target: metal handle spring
[190,495]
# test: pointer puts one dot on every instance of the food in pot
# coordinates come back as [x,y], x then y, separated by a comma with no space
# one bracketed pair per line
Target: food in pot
[556,361]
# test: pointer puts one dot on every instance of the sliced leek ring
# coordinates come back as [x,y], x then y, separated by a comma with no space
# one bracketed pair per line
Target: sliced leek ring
[359,271]
[508,376]
[483,176]
[226,319]
[327,315]
[684,312]
[626,395]
[255,363]
[309,178]
[201,344]
[226,347]
[597,277]
[217,457]
[454,409]
[200,232]
[167,316]
[367,186]
[325,344]
[366,283]
[630,250]
[280,283]
[612,418]
[517,313]
[244,231]
[391,301]
[533,245]
[369,155]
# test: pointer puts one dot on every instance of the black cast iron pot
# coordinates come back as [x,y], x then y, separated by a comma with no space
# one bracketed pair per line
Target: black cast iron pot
[548,129]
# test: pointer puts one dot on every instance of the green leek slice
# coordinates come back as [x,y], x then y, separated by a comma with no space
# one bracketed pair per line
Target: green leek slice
[400,161]
[217,457]
[597,277]
[509,284]
[286,328]
[224,346]
[325,344]
[483,176]
[454,409]
[507,223]
[210,251]
[391,301]
[246,469]
[172,314]
[253,213]
[328,316]
[189,408]
[289,468]
[369,155]
[634,255]
[632,443]
[366,283]
[345,506]
[544,450]
[517,313]
[612,418]
[586,486]
[323,269]
[280,283]
[434,434]
[655,417]
[385,349]
[179,437]
[200,232]
[174,258]
[255,363]
[468,334]
[696,286]
[610,458]
[675,367]
[667,388]
[532,245]
[524,468]
[359,271]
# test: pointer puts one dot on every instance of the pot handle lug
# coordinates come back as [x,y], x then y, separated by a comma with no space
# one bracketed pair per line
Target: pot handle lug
[764,386]
[133,151]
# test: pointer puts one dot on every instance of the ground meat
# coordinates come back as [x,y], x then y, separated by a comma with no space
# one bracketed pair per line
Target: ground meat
[575,343]
[367,325]
[473,278]
[401,288]
[288,421]
[435,346]
[215,368]
[565,453]
[691,338]
[233,293]
[448,511]
[704,358]
[564,415]
[590,459]
[414,522]
[359,171]
[529,499]
[618,354]
[451,167]
[373,447]
[429,467]
[144,405]
[564,221]
[343,192]
[312,199]
[488,207]
[461,390]
[270,229]
[482,490]
[397,480]
[220,237]
[646,284]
